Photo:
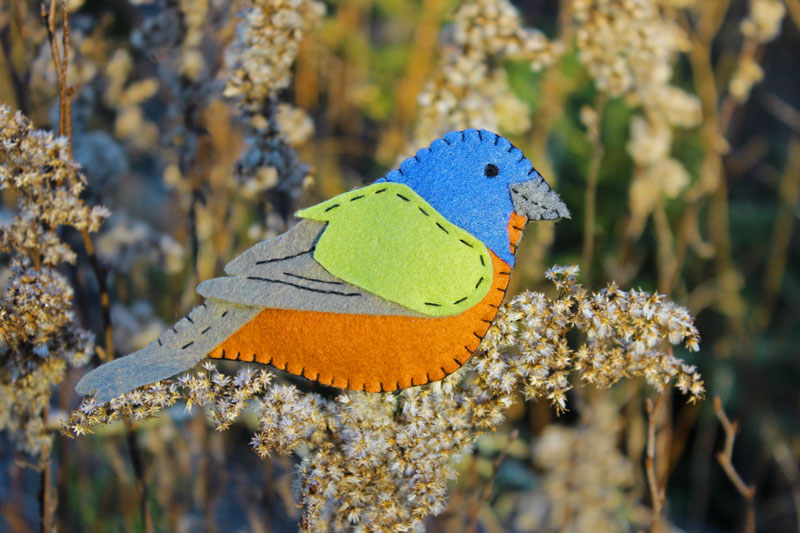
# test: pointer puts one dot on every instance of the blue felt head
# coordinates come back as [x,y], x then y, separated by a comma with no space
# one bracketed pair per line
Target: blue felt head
[476,179]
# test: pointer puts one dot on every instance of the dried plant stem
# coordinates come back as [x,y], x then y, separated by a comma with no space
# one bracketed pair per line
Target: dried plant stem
[657,493]
[486,492]
[591,190]
[788,196]
[45,488]
[793,7]
[61,62]
[138,470]
[105,300]
[725,457]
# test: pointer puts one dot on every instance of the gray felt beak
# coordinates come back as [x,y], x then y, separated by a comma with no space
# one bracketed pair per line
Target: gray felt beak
[537,201]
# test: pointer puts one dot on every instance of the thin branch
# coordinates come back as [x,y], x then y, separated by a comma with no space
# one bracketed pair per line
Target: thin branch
[657,494]
[65,94]
[725,457]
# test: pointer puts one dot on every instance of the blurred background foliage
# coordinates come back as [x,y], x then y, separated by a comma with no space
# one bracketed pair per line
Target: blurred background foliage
[671,128]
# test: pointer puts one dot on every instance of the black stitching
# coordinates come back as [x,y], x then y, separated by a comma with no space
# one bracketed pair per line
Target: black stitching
[223,354]
[433,304]
[479,337]
[205,330]
[443,370]
[487,321]
[160,343]
[531,171]
[463,136]
[189,319]
[398,386]
[445,140]
[459,301]
[265,261]
[402,197]
[416,157]
[442,228]
[223,314]
[511,148]
[479,282]
[501,290]
[423,211]
[428,376]
[482,261]
[384,189]
[504,273]
[495,306]
[521,157]
[496,139]
[517,228]
[382,387]
[465,242]
[312,279]
[354,198]
[173,329]
[187,345]
[334,206]
[480,135]
[337,293]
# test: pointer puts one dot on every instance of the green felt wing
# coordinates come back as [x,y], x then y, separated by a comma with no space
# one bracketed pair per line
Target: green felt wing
[386,239]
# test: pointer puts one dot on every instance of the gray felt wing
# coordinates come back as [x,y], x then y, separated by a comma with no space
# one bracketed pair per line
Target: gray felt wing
[281,273]
[178,349]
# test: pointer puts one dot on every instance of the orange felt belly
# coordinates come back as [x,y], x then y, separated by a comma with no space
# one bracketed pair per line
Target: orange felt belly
[366,352]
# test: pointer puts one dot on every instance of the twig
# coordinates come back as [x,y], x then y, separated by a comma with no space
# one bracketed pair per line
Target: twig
[725,457]
[486,493]
[657,493]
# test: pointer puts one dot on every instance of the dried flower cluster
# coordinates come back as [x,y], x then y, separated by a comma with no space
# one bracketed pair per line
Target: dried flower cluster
[469,88]
[628,47]
[586,479]
[270,36]
[762,24]
[383,460]
[38,332]
[259,64]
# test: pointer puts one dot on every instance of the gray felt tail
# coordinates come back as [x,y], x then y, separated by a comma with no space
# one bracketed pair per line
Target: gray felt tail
[178,349]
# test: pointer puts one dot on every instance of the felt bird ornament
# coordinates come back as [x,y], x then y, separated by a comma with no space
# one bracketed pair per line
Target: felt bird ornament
[381,288]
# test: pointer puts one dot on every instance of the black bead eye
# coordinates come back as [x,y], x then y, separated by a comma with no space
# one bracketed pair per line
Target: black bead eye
[490,170]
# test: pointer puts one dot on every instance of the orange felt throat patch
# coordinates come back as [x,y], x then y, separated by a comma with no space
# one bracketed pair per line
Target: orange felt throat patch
[369,352]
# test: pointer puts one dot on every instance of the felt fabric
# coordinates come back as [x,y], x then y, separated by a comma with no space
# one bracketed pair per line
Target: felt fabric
[281,273]
[343,299]
[176,350]
[363,352]
[387,240]
[535,200]
[452,176]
